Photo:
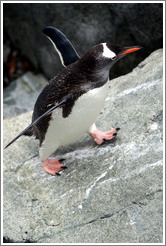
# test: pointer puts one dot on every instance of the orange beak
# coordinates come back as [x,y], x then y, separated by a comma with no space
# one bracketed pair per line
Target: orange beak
[130,50]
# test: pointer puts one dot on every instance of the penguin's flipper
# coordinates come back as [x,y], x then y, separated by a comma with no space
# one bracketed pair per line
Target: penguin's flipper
[64,48]
[64,100]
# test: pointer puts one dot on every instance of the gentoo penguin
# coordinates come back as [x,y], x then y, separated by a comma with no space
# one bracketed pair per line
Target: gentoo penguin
[70,103]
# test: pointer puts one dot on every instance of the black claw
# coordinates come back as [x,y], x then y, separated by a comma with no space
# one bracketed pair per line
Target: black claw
[64,167]
[61,160]
[118,128]
[115,134]
[58,174]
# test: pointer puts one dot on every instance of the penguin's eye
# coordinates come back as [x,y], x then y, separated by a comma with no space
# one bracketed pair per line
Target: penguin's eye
[113,58]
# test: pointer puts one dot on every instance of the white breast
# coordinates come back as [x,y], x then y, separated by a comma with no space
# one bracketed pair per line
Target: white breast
[63,131]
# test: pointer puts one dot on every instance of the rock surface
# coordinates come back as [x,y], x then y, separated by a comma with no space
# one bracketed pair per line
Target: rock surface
[85,24]
[110,193]
[20,96]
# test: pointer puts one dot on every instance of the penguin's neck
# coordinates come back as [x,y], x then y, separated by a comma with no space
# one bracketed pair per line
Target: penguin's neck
[98,77]
[92,73]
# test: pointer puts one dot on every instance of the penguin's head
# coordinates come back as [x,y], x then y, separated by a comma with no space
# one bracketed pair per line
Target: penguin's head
[112,53]
[103,56]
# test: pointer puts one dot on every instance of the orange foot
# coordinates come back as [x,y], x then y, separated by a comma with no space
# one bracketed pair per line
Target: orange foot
[53,166]
[100,136]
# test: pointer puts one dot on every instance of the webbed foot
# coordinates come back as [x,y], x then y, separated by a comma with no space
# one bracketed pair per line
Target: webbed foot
[100,136]
[53,166]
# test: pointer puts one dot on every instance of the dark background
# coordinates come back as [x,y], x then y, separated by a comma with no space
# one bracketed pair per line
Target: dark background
[85,24]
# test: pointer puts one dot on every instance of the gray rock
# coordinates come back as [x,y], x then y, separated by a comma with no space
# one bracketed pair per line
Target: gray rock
[85,25]
[20,96]
[110,193]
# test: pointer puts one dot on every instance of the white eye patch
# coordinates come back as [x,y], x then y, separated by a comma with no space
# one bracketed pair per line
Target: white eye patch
[107,52]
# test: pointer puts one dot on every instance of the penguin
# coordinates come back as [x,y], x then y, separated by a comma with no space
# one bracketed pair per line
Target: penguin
[70,103]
